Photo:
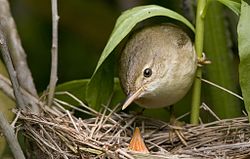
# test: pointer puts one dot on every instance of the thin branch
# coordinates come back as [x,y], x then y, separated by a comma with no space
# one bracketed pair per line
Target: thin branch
[17,52]
[222,88]
[11,138]
[72,120]
[6,87]
[205,107]
[54,52]
[11,71]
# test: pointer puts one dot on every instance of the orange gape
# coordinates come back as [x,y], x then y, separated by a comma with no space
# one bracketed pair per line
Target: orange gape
[137,143]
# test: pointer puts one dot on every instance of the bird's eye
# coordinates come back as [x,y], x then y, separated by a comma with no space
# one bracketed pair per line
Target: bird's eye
[147,72]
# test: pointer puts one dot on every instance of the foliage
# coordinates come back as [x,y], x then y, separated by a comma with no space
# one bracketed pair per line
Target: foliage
[244,53]
[221,71]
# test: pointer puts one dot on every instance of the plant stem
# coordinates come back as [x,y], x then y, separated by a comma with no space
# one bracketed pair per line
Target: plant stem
[16,50]
[11,138]
[199,36]
[54,52]
[11,71]
[195,107]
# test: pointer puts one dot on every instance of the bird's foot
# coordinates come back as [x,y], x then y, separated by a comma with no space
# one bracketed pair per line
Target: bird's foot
[176,130]
[138,112]
[203,60]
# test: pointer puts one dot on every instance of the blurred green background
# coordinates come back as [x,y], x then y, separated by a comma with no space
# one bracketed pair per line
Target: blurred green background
[84,28]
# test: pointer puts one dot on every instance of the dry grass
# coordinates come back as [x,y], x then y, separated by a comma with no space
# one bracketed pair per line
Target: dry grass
[59,134]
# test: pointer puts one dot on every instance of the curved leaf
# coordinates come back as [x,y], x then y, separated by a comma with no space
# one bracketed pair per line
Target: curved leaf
[244,53]
[130,18]
[100,87]
[234,6]
[101,83]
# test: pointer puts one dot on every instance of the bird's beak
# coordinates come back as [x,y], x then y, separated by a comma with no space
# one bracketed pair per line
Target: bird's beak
[131,97]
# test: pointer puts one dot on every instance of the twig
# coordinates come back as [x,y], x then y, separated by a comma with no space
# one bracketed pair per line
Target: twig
[10,137]
[205,107]
[15,120]
[225,146]
[79,102]
[54,52]
[54,142]
[120,151]
[17,52]
[123,128]
[6,87]
[222,88]
[58,102]
[73,122]
[11,71]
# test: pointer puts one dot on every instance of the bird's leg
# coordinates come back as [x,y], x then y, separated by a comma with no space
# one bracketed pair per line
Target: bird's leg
[138,112]
[175,126]
[203,60]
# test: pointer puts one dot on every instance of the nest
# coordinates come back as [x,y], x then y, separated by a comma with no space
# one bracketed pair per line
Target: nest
[59,134]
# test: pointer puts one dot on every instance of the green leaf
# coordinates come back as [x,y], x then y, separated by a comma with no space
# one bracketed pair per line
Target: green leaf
[244,53]
[101,84]
[100,87]
[76,88]
[233,5]
[79,87]
[117,96]
[216,46]
[129,19]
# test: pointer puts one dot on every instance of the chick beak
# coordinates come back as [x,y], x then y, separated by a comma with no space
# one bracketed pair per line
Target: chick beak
[132,97]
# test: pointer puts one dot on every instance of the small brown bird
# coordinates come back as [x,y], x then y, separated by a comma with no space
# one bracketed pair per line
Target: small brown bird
[157,66]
